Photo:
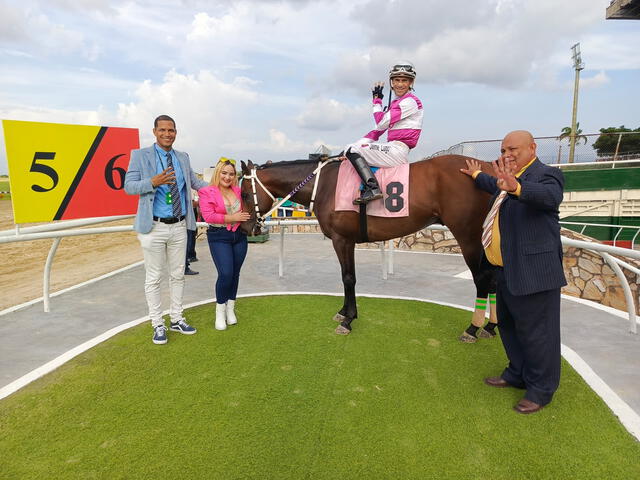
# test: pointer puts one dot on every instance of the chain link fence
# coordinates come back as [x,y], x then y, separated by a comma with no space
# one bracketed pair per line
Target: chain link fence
[552,150]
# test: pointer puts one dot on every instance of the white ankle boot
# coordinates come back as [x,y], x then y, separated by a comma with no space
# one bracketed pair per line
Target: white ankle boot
[231,314]
[221,316]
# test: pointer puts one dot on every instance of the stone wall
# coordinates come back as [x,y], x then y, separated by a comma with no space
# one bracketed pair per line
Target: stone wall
[588,274]
[273,229]
[590,277]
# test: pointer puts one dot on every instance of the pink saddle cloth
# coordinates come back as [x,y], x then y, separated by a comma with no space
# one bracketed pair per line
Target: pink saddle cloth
[394,183]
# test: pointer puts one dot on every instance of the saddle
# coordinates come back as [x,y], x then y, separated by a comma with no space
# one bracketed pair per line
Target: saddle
[394,183]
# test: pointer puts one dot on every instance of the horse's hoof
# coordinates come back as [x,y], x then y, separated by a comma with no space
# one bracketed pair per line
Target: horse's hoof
[340,330]
[339,318]
[466,338]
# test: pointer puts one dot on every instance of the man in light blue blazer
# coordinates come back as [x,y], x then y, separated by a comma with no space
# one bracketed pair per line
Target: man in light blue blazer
[163,179]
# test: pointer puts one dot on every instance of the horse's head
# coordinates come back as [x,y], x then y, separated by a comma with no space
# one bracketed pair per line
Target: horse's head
[251,190]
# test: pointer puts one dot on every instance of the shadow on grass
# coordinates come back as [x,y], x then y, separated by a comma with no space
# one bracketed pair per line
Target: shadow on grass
[281,396]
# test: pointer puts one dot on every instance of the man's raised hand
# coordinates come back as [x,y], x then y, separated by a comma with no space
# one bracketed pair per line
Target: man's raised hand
[166,177]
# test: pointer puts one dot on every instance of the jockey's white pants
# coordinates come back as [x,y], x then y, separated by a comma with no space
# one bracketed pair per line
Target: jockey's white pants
[380,154]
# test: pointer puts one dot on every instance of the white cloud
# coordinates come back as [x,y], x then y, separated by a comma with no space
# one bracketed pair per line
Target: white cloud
[278,144]
[213,118]
[497,42]
[272,78]
[293,38]
[329,114]
[598,80]
[12,23]
[67,83]
[103,6]
[208,111]
[47,37]
[604,51]
[237,66]
[15,53]
[207,27]
[54,115]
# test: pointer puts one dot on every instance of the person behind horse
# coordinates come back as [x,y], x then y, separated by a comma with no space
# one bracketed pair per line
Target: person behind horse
[521,237]
[221,208]
[191,255]
[402,121]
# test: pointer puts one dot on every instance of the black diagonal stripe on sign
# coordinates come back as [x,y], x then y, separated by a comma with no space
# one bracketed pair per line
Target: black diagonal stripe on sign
[79,175]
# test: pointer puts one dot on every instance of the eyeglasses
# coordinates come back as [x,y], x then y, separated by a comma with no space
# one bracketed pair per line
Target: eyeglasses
[228,161]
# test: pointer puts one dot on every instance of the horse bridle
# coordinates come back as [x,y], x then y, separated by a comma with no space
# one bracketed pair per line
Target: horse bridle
[253,176]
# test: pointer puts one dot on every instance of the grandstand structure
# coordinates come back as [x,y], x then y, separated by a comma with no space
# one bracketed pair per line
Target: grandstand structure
[623,10]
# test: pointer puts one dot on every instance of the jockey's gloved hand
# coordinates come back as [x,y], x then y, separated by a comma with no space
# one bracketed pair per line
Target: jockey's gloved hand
[377,92]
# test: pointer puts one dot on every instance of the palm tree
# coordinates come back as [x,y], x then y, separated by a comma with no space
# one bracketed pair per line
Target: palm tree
[566,133]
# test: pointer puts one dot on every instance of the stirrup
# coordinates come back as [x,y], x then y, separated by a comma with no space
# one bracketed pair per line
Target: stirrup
[368,196]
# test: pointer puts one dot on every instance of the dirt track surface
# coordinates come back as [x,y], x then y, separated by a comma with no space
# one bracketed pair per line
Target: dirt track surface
[78,259]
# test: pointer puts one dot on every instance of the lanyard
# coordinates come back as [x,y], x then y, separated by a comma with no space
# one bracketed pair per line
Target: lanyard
[160,158]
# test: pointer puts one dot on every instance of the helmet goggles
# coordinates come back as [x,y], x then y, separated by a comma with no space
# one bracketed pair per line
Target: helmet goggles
[402,70]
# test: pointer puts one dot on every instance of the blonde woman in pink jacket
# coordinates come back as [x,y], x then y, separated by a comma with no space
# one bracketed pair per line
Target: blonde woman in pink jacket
[221,208]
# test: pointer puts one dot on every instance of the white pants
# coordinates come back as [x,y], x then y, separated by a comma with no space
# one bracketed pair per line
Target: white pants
[164,246]
[379,154]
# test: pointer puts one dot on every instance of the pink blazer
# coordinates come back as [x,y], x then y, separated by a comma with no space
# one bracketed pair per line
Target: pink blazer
[212,206]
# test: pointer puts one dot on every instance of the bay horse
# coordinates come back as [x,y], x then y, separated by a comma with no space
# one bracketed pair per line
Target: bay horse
[438,193]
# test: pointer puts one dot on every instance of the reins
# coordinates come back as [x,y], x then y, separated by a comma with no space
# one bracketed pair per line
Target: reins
[253,176]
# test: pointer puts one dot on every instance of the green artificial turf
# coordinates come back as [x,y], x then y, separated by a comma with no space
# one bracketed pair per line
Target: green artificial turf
[280,396]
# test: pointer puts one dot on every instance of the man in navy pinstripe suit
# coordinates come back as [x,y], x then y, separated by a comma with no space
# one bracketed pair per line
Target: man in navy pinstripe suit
[523,243]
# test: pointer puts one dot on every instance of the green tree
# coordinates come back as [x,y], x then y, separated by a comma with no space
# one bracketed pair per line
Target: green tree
[606,143]
[566,133]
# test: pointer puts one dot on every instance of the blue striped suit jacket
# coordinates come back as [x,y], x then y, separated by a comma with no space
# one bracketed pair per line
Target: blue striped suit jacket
[529,230]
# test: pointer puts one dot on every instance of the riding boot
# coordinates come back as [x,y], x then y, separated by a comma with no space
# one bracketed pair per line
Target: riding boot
[221,316]
[371,188]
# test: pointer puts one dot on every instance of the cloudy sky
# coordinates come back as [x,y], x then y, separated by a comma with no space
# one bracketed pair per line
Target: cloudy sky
[274,79]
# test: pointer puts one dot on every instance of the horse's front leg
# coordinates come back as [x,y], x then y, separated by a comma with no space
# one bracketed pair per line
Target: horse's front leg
[349,311]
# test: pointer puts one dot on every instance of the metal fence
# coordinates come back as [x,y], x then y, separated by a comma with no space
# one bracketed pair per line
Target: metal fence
[551,150]
[62,229]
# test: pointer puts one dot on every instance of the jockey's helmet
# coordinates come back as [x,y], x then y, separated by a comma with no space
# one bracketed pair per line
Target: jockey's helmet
[402,69]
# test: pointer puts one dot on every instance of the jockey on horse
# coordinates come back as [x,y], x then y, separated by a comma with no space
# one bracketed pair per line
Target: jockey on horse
[402,119]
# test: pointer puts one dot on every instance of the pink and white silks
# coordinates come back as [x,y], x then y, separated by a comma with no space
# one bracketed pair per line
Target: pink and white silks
[403,124]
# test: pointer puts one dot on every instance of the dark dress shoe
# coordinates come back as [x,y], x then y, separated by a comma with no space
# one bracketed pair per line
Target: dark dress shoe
[188,271]
[526,406]
[497,382]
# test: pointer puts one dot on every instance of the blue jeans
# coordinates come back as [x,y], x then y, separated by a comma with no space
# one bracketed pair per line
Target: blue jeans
[228,250]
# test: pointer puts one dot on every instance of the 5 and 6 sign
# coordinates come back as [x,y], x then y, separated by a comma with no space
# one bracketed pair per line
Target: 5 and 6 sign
[38,166]
[59,171]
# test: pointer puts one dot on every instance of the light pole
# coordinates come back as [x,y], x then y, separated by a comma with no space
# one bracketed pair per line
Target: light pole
[577,65]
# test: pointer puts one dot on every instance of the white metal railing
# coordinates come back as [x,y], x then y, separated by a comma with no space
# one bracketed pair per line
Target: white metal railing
[53,231]
[57,231]
[605,251]
[618,232]
[61,225]
[627,161]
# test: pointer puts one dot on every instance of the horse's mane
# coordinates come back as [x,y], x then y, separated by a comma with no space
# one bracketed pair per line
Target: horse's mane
[285,163]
